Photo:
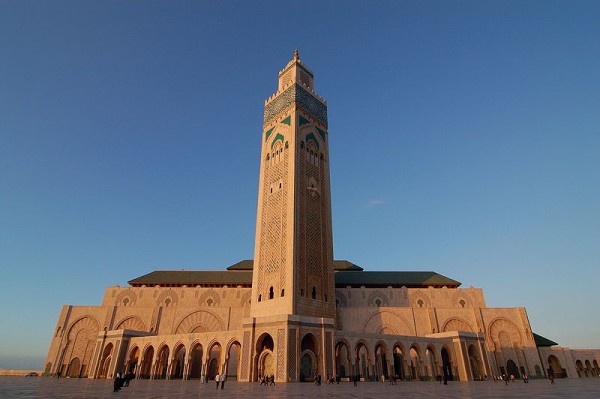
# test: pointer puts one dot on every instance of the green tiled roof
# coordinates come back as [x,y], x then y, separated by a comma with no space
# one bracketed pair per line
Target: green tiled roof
[247,264]
[346,274]
[394,279]
[542,341]
[344,265]
[338,265]
[193,277]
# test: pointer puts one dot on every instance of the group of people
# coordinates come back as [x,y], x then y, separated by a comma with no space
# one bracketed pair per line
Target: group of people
[267,380]
[220,380]
[122,380]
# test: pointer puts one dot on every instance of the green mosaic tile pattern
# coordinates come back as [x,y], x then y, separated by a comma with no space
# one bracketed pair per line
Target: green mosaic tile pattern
[268,133]
[276,139]
[304,99]
[311,137]
[303,120]
[322,134]
[287,121]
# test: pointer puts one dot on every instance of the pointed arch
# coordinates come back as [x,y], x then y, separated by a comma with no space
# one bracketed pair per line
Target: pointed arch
[387,322]
[131,323]
[456,324]
[199,321]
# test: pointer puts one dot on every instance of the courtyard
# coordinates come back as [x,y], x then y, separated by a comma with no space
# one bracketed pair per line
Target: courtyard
[41,387]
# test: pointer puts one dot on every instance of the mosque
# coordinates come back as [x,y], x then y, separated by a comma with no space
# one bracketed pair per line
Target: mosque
[293,311]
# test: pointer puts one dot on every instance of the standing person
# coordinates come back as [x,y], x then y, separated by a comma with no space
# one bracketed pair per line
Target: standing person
[217,379]
[355,378]
[223,378]
[551,378]
[117,383]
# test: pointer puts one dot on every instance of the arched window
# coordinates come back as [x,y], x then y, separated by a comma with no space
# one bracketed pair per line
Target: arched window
[259,297]
[462,303]
[314,293]
[271,293]
[282,292]
[420,303]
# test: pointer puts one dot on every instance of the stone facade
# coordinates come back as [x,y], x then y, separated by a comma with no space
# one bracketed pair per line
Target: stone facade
[294,312]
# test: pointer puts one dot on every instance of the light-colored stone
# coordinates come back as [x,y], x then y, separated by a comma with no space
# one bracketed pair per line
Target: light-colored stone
[293,322]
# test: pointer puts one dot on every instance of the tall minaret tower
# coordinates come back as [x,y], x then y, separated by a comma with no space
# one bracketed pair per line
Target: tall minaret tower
[293,255]
[290,329]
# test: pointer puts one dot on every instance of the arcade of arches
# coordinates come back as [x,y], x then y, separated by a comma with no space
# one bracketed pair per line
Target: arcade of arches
[295,311]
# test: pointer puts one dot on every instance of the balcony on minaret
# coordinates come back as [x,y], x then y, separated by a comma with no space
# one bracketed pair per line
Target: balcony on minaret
[296,72]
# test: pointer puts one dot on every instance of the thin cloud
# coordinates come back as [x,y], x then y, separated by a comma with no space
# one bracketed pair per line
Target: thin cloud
[375,202]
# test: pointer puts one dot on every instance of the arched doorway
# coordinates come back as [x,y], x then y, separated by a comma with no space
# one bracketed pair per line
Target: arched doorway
[343,364]
[432,363]
[512,369]
[196,361]
[146,365]
[579,367]
[105,361]
[399,362]
[232,361]
[596,369]
[162,363]
[264,359]
[447,364]
[308,359]
[214,361]
[134,356]
[589,372]
[363,361]
[475,364]
[381,367]
[74,368]
[81,343]
[554,367]
[415,363]
[177,362]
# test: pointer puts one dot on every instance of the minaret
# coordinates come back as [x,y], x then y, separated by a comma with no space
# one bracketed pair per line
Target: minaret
[293,255]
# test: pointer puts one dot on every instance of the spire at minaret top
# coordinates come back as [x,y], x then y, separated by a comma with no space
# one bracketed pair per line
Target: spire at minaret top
[296,72]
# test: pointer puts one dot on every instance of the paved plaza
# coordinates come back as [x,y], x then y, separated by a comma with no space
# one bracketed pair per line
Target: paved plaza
[22,387]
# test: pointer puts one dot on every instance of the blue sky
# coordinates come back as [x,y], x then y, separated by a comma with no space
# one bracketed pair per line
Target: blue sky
[464,139]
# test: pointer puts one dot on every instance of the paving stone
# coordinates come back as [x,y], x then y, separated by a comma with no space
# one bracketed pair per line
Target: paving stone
[49,388]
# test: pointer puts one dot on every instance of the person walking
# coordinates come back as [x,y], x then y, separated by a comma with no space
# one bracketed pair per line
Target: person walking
[223,378]
[217,380]
[117,383]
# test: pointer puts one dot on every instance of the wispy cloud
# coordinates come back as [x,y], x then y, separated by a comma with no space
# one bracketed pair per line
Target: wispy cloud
[375,202]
